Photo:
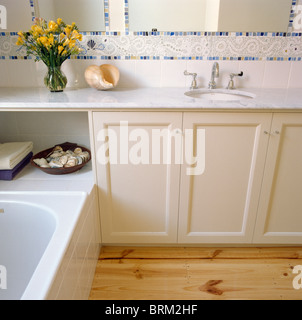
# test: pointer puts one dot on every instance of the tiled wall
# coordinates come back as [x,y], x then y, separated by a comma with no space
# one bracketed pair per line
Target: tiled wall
[74,278]
[162,73]
[45,129]
[159,59]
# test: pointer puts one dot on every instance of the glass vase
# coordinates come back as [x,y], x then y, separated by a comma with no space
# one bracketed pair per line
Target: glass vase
[55,80]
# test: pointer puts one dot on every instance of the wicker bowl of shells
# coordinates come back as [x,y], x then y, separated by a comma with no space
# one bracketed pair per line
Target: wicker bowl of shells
[62,159]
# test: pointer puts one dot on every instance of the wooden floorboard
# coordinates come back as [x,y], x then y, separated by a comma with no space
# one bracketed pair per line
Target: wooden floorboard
[196,274]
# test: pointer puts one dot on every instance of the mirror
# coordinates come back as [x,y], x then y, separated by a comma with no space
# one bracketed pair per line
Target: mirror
[18,15]
[87,14]
[210,15]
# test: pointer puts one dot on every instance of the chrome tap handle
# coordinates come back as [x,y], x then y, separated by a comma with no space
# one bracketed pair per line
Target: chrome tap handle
[194,82]
[236,75]
[231,85]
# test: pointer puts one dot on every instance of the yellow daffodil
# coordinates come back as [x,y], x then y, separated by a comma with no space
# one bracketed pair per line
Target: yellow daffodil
[43,40]
[52,42]
[68,31]
[61,37]
[66,42]
[60,49]
[37,29]
[76,35]
[52,26]
[20,41]
[72,44]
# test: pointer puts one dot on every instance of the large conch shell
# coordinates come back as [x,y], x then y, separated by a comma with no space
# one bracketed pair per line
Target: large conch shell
[104,77]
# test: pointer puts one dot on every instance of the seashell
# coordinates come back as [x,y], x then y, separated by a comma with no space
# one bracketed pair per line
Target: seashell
[72,162]
[81,156]
[56,155]
[86,155]
[54,150]
[41,162]
[70,153]
[63,160]
[80,160]
[102,77]
[78,150]
[55,164]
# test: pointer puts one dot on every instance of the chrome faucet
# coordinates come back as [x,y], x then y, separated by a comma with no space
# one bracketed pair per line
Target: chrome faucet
[194,81]
[214,75]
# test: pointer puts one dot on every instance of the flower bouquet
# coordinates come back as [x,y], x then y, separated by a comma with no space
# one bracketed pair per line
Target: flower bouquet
[53,43]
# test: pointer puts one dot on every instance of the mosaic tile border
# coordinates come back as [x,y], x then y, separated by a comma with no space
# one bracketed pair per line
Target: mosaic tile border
[106,12]
[126,10]
[132,47]
[292,15]
[32,7]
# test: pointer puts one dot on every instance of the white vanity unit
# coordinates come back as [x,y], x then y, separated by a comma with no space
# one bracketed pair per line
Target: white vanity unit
[247,189]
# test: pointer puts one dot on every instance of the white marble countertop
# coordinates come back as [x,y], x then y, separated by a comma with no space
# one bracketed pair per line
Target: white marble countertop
[142,98]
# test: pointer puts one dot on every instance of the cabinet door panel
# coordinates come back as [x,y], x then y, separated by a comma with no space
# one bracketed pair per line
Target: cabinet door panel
[138,199]
[280,211]
[220,205]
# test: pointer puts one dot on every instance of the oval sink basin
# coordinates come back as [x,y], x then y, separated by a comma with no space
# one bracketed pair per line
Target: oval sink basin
[220,94]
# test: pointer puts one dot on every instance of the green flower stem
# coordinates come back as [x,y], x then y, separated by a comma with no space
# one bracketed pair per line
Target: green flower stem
[55,80]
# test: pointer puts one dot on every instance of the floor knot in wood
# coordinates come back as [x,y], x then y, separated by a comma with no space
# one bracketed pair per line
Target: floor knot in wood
[210,287]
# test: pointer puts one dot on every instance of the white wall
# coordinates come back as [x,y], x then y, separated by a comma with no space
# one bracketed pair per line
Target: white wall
[162,73]
[45,129]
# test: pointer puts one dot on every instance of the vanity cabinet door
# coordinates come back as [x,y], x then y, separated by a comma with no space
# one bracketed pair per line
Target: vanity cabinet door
[220,205]
[279,219]
[138,191]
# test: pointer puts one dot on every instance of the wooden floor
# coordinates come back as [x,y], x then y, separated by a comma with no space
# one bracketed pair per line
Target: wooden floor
[196,274]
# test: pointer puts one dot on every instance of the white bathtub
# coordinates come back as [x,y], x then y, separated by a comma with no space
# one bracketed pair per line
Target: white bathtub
[35,233]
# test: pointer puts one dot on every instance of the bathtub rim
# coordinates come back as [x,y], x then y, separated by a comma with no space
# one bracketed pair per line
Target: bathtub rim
[41,282]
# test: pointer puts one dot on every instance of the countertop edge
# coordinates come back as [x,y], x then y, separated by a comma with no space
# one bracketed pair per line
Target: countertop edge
[144,99]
